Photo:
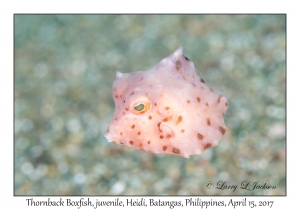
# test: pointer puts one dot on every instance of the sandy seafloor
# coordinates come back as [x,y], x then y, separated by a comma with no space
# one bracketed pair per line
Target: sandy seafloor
[64,69]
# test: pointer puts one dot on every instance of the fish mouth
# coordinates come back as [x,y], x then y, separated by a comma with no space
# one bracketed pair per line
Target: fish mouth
[108,137]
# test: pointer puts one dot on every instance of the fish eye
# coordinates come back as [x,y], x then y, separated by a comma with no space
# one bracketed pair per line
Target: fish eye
[140,106]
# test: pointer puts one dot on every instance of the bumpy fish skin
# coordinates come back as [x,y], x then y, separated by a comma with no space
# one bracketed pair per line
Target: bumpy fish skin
[167,109]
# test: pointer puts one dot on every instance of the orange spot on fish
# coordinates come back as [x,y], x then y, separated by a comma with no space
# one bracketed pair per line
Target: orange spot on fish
[208,121]
[179,120]
[222,130]
[207,146]
[199,136]
[176,150]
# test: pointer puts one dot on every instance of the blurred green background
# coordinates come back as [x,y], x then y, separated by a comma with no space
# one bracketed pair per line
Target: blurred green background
[64,69]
